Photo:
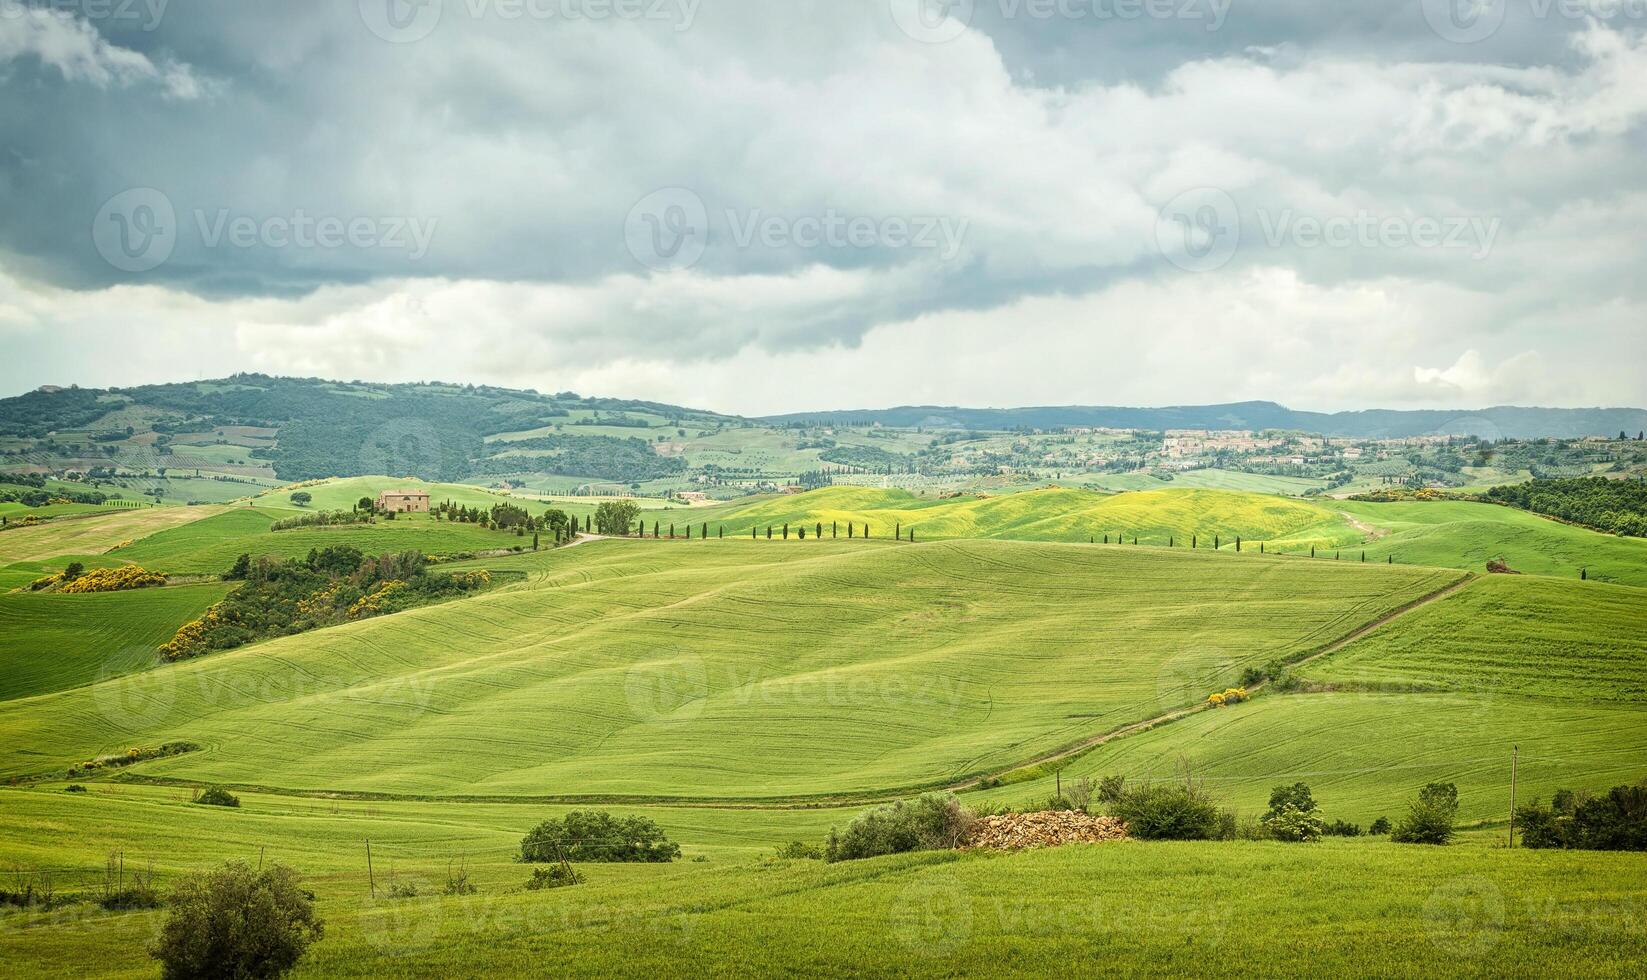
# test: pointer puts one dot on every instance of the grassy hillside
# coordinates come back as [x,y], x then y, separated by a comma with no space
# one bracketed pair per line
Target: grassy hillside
[1468,535]
[1441,693]
[1256,909]
[1061,514]
[95,534]
[54,642]
[211,546]
[1511,638]
[732,669]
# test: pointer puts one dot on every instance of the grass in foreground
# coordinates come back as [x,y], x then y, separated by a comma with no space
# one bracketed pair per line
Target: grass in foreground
[1131,908]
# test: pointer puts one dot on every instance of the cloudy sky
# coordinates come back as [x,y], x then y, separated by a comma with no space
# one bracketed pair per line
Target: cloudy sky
[762,206]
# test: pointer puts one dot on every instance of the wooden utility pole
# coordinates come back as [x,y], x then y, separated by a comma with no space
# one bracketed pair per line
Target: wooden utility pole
[1515,757]
[370,880]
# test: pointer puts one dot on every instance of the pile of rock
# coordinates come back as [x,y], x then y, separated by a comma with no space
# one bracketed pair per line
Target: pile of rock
[1015,831]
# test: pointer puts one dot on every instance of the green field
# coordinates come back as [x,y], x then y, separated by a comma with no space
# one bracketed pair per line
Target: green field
[56,642]
[748,693]
[691,683]
[1254,909]
[1154,517]
[1468,535]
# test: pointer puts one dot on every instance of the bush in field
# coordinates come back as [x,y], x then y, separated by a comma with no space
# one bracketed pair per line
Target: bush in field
[1616,821]
[1293,815]
[554,876]
[931,822]
[800,851]
[217,796]
[1341,828]
[236,922]
[1168,811]
[1379,827]
[597,836]
[1430,818]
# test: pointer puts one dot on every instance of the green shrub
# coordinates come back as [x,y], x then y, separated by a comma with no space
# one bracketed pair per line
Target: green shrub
[1293,815]
[597,836]
[217,796]
[74,788]
[554,876]
[1616,821]
[1429,820]
[1340,828]
[236,922]
[1379,827]
[932,822]
[1168,811]
[800,851]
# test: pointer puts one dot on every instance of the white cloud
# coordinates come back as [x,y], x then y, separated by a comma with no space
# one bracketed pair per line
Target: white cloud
[74,47]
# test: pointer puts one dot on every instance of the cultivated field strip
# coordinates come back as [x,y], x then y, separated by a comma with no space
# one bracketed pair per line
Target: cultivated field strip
[731,670]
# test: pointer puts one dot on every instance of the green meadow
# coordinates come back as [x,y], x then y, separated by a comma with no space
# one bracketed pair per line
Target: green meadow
[56,642]
[747,693]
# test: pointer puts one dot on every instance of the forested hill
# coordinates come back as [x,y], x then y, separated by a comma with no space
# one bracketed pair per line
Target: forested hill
[327,428]
[1496,423]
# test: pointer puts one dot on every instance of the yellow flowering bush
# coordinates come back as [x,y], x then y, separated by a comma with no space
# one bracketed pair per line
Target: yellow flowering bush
[114,580]
[1234,695]
[378,599]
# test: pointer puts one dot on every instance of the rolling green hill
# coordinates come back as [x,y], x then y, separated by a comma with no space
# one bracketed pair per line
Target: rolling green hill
[54,642]
[1468,535]
[732,669]
[1062,514]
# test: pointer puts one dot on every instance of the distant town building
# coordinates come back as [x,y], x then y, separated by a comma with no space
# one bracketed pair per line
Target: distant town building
[693,496]
[403,502]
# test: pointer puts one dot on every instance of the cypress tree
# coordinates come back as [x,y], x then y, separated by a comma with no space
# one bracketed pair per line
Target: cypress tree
[818,531]
[705,534]
[1217,545]
[786,530]
[911,535]
[1193,542]
[834,529]
[671,532]
[769,532]
[866,529]
[534,541]
[1312,551]
[1169,540]
[1238,544]
[849,530]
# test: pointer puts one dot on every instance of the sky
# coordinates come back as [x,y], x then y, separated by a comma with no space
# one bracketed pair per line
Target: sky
[760,206]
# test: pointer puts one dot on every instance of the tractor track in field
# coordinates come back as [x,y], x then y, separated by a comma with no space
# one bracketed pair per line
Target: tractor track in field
[832,800]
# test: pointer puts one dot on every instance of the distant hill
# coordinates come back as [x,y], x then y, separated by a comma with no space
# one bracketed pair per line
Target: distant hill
[1500,422]
[334,428]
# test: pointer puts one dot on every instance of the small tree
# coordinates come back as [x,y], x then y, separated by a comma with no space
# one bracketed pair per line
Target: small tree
[236,922]
[302,498]
[1429,819]
[595,835]
[1292,815]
